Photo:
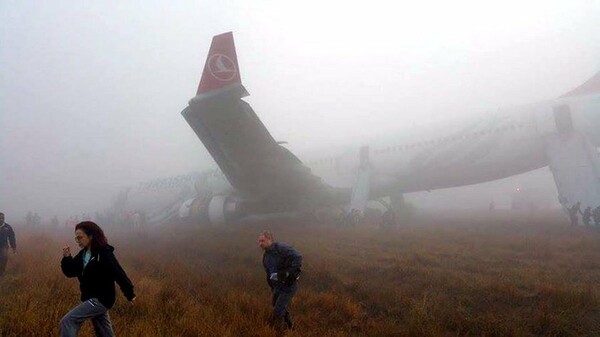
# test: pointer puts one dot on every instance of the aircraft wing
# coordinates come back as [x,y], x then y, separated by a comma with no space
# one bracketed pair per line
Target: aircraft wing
[253,162]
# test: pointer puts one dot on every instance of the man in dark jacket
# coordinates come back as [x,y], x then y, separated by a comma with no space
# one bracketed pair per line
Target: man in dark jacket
[282,265]
[7,236]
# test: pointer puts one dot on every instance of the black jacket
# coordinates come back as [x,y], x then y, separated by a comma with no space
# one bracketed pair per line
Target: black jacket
[285,261]
[97,279]
[7,235]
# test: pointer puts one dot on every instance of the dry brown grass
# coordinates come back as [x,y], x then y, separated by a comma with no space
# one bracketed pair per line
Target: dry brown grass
[491,275]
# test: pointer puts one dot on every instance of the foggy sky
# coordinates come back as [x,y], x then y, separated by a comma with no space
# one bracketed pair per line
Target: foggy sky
[91,93]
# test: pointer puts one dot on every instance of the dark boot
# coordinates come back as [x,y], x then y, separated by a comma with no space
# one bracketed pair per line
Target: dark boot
[277,323]
[288,320]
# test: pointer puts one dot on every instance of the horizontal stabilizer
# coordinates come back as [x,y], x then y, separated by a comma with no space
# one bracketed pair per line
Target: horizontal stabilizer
[591,86]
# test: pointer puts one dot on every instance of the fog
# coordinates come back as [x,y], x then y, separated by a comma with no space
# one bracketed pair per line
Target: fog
[91,93]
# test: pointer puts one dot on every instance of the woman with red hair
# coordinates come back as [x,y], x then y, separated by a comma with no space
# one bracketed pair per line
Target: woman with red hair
[97,270]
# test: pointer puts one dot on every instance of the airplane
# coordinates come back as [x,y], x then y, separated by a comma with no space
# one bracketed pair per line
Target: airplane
[257,175]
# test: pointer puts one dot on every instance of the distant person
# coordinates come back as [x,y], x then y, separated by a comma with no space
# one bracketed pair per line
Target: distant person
[29,219]
[596,216]
[144,220]
[340,217]
[586,216]
[97,270]
[573,210]
[136,221]
[36,219]
[282,265]
[388,219]
[7,236]
[349,218]
[54,222]
[353,217]
[492,205]
[356,217]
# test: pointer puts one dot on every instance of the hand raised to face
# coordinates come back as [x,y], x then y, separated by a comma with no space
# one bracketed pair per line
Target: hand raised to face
[67,251]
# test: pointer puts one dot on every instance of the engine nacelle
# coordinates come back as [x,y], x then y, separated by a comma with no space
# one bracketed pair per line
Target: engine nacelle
[189,208]
[216,210]
[221,209]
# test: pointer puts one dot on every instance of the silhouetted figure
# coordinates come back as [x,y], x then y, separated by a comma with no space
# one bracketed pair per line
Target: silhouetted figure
[492,205]
[596,216]
[573,213]
[136,222]
[97,270]
[36,220]
[353,217]
[54,222]
[282,265]
[7,236]
[29,219]
[340,218]
[356,217]
[349,218]
[388,219]
[586,216]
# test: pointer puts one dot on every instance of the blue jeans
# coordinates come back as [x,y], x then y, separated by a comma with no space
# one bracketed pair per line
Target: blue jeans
[3,259]
[90,309]
[282,297]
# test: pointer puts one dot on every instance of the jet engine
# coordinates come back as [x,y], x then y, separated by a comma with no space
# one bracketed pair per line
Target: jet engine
[215,210]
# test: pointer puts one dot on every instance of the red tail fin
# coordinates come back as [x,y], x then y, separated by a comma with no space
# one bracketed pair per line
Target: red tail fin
[591,86]
[221,68]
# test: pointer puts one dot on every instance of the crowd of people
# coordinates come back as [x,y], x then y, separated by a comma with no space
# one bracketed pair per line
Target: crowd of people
[587,216]
[355,217]
[130,219]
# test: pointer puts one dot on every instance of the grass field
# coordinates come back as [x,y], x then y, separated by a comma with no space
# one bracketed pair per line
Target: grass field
[469,275]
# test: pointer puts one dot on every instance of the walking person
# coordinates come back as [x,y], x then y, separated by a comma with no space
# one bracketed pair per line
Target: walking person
[97,270]
[596,216]
[388,219]
[586,216]
[282,265]
[573,210]
[7,236]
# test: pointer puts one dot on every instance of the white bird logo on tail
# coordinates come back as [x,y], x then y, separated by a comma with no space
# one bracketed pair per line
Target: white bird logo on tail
[221,67]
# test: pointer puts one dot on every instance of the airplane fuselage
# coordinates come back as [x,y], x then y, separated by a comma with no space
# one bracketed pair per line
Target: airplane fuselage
[460,152]
[507,142]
